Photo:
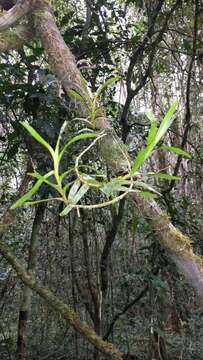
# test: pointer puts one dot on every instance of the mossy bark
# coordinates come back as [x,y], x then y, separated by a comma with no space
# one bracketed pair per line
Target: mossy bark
[63,309]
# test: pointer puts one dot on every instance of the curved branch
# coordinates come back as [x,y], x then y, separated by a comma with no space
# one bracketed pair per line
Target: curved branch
[126,308]
[63,309]
[15,39]
[22,8]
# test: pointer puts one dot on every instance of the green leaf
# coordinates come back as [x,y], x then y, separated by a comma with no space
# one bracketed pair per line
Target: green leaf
[60,136]
[77,138]
[44,178]
[144,186]
[105,85]
[152,133]
[75,94]
[141,157]
[117,185]
[147,194]
[176,150]
[75,198]
[38,137]
[28,195]
[153,137]
[90,180]
[164,176]
[166,122]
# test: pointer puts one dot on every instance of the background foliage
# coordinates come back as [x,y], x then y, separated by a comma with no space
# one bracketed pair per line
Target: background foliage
[147,310]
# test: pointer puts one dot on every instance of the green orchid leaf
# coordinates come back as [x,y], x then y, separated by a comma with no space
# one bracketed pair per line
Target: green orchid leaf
[44,178]
[75,94]
[153,137]
[76,138]
[114,186]
[152,133]
[176,150]
[144,186]
[75,198]
[105,85]
[164,176]
[166,122]
[28,195]
[141,157]
[60,136]
[147,194]
[38,137]
[34,202]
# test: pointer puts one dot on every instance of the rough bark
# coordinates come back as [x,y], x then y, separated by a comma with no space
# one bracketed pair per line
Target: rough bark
[15,39]
[22,8]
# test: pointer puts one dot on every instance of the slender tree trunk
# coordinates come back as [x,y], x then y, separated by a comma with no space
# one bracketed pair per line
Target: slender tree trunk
[21,353]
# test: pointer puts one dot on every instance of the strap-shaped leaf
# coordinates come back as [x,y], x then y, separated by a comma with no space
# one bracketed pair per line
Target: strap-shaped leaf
[144,186]
[152,132]
[164,176]
[176,150]
[147,194]
[28,195]
[76,138]
[154,136]
[141,157]
[77,197]
[38,137]
[73,190]
[44,178]
[114,186]
[75,94]
[104,86]
[166,122]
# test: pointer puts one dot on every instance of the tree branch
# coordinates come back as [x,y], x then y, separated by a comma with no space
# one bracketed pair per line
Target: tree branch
[15,39]
[188,89]
[22,8]
[126,308]
[63,309]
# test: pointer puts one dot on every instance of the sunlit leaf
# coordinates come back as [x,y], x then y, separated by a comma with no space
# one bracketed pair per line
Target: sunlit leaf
[144,186]
[114,186]
[44,178]
[153,137]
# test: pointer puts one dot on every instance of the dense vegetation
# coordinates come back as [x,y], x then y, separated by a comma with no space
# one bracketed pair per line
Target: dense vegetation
[120,84]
